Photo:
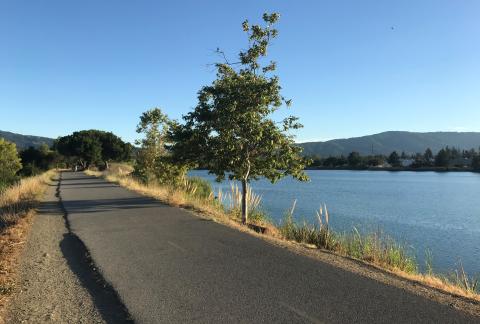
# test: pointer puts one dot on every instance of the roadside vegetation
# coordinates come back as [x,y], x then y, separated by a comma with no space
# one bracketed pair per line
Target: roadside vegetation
[17,200]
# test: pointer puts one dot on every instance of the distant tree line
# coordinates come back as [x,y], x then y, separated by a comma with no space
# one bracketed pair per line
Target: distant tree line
[84,149]
[92,148]
[445,158]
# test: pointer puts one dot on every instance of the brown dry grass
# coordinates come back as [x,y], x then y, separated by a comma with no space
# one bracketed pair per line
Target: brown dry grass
[17,205]
[209,209]
[21,197]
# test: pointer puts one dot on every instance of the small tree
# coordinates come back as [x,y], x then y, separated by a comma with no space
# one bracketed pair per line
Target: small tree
[428,156]
[230,132]
[153,160]
[9,163]
[442,159]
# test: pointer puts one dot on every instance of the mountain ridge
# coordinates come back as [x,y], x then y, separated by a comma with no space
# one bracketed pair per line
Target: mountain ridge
[387,142]
[381,143]
[25,141]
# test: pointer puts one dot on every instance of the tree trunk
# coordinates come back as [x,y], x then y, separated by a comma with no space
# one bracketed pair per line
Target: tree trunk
[244,202]
[106,165]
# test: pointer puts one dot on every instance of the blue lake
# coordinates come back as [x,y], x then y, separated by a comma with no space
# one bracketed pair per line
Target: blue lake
[425,210]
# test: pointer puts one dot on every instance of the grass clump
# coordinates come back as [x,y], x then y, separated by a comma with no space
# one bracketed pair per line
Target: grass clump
[319,235]
[198,187]
[377,248]
[374,248]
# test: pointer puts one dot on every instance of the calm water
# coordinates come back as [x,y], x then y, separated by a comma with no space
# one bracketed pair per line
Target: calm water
[426,210]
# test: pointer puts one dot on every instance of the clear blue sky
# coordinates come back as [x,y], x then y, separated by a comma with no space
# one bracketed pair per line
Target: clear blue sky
[351,67]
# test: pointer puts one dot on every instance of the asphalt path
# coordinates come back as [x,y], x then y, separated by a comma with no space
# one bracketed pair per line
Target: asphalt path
[169,266]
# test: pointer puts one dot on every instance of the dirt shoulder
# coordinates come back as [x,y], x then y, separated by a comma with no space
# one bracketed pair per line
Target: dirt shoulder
[56,282]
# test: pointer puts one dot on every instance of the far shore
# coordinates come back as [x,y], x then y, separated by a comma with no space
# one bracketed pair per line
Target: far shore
[391,169]
[397,169]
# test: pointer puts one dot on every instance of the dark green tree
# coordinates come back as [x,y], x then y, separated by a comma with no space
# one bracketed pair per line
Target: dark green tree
[92,147]
[230,131]
[354,159]
[394,159]
[442,159]
[476,162]
[36,160]
[428,156]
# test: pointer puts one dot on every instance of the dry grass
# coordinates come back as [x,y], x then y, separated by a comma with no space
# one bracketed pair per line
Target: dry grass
[21,197]
[374,249]
[12,241]
[17,205]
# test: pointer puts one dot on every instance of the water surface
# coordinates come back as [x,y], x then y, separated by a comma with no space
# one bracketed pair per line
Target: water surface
[426,210]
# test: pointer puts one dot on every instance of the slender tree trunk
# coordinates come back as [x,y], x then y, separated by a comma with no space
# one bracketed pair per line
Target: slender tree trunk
[106,165]
[244,202]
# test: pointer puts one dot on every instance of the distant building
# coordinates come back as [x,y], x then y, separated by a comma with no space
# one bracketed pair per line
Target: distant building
[406,162]
[384,165]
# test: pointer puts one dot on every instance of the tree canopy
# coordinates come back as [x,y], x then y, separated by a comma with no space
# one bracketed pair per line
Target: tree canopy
[153,159]
[35,160]
[9,163]
[91,147]
[230,131]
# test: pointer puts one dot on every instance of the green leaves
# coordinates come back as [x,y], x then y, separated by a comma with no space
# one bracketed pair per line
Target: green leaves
[9,163]
[229,131]
[93,146]
[154,162]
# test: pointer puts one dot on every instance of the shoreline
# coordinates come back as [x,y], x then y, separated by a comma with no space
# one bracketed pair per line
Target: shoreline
[392,169]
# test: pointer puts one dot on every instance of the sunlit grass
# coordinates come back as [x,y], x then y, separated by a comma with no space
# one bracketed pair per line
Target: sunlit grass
[18,199]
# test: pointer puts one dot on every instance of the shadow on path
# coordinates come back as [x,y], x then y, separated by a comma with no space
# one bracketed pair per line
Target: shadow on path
[78,258]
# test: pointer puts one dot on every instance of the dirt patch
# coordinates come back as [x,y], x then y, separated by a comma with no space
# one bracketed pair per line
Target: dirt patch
[12,242]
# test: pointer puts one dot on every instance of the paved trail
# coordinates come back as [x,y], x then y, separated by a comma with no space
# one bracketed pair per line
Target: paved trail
[50,287]
[168,266]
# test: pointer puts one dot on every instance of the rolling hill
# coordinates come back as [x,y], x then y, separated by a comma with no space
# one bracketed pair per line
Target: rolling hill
[25,141]
[386,142]
[382,143]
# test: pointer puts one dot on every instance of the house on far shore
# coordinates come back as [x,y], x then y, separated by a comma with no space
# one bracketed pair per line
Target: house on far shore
[406,162]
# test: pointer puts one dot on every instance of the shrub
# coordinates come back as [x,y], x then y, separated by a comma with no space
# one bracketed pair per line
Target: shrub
[9,164]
